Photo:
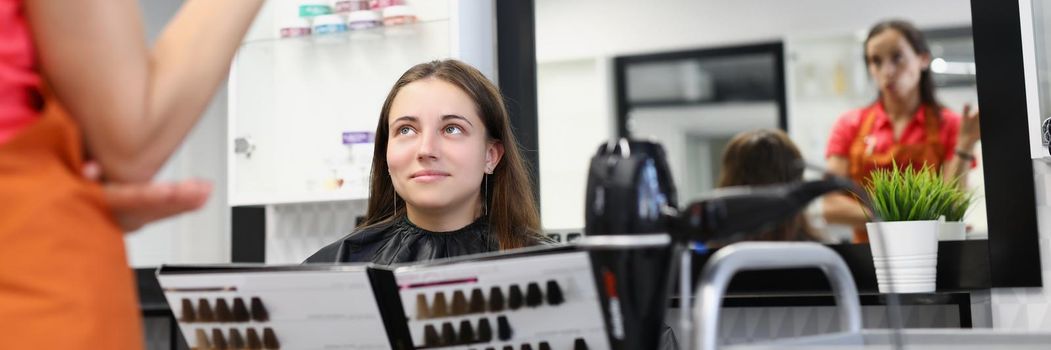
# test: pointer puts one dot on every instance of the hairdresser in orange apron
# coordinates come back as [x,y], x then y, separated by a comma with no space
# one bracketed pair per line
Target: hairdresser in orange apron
[906,125]
[64,279]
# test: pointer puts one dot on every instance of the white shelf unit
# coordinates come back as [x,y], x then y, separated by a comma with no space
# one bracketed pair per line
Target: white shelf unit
[294,98]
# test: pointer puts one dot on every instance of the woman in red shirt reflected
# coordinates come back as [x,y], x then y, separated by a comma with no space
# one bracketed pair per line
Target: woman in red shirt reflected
[905,125]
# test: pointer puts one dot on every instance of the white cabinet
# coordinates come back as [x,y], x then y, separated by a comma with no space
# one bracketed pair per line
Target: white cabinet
[1035,18]
[302,110]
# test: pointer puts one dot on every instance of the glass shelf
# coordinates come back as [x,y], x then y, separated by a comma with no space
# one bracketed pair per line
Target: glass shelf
[294,98]
[347,37]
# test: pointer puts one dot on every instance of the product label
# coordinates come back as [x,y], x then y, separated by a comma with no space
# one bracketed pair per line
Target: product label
[363,25]
[330,28]
[355,137]
[314,10]
[351,5]
[294,32]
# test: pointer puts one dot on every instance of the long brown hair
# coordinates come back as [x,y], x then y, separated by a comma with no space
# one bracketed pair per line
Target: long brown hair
[918,42]
[766,157]
[513,215]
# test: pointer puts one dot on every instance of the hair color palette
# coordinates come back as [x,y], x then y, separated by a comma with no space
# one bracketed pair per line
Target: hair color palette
[533,302]
[222,312]
[270,307]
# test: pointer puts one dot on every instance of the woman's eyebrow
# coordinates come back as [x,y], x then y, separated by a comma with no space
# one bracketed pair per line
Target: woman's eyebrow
[453,116]
[408,118]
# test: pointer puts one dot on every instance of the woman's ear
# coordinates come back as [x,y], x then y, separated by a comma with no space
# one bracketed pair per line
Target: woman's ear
[493,154]
[925,61]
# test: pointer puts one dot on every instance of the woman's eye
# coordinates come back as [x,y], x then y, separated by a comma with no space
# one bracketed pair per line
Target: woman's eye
[453,129]
[405,130]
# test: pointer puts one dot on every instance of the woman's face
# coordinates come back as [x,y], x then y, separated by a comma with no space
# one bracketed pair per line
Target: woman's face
[438,149]
[894,64]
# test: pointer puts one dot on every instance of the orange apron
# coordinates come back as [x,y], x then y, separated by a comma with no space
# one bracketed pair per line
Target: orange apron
[863,160]
[64,279]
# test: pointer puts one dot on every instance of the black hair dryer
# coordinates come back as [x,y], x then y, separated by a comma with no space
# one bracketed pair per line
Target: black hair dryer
[630,192]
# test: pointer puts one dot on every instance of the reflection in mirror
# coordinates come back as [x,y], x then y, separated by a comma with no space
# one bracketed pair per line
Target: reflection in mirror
[694,84]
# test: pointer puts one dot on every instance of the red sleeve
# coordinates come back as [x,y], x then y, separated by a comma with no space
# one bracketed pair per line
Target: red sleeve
[950,132]
[843,134]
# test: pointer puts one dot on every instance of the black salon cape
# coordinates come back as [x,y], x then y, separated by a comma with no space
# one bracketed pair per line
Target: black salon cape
[401,241]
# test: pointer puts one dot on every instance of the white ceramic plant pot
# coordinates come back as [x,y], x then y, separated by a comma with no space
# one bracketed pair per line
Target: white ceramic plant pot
[905,255]
[952,231]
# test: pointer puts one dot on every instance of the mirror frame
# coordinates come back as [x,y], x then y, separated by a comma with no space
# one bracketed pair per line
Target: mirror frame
[1014,249]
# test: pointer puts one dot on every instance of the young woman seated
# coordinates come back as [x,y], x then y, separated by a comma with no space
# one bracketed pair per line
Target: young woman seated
[447,177]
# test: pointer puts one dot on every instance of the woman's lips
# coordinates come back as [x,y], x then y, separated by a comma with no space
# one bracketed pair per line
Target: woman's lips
[428,175]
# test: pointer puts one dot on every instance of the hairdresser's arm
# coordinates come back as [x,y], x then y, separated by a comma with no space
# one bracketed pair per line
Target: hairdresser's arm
[135,104]
[956,167]
[838,207]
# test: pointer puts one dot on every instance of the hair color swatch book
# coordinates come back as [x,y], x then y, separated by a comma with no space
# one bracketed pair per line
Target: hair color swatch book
[530,298]
[533,298]
[275,307]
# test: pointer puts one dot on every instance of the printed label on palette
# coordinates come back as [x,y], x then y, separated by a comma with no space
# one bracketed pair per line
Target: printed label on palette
[545,301]
[293,307]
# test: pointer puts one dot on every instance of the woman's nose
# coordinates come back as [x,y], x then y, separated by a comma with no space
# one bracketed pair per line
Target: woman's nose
[430,145]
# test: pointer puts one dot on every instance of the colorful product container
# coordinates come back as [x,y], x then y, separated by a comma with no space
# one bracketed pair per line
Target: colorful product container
[295,27]
[381,4]
[329,24]
[398,15]
[366,19]
[313,8]
[347,6]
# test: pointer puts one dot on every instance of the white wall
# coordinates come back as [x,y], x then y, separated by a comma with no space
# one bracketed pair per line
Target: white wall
[1030,308]
[574,118]
[595,28]
[202,236]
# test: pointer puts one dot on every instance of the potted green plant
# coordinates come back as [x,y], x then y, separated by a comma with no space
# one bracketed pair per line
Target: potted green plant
[958,201]
[909,203]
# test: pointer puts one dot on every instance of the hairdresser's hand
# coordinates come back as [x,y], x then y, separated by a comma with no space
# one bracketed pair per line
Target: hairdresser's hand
[135,205]
[970,131]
